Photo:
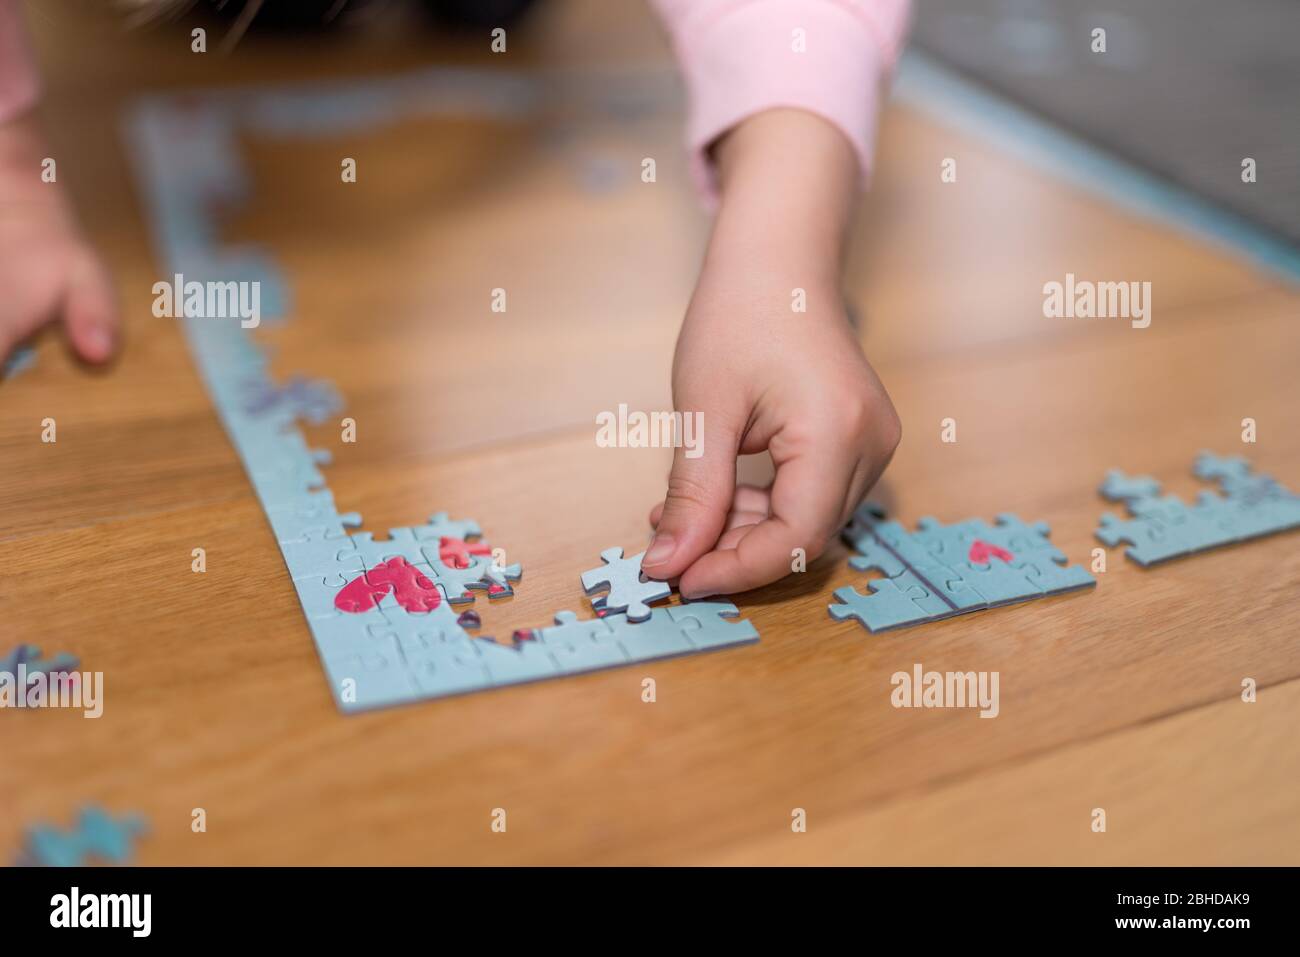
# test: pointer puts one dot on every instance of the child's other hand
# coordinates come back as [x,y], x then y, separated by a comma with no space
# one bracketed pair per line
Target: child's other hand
[766,376]
[48,271]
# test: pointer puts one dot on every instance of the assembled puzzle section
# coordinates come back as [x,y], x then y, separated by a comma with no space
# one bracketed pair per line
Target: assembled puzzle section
[1163,527]
[381,612]
[396,656]
[943,570]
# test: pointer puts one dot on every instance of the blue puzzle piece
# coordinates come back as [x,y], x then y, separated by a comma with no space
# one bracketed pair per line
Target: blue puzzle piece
[935,578]
[1119,487]
[581,645]
[20,360]
[628,590]
[515,663]
[656,637]
[874,554]
[29,656]
[1231,470]
[889,605]
[712,624]
[97,835]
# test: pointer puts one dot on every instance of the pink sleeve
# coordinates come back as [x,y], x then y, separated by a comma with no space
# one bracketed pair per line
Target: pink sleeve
[17,71]
[740,57]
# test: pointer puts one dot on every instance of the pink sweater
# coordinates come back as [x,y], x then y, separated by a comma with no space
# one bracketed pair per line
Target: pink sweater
[17,75]
[739,57]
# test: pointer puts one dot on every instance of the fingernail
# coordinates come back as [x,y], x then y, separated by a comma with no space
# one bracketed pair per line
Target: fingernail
[99,342]
[660,550]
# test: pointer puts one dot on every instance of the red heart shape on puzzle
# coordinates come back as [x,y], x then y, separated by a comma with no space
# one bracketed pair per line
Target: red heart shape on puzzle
[981,553]
[411,587]
[456,552]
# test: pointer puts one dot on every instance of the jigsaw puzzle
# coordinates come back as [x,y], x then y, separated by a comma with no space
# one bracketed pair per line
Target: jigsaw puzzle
[28,657]
[628,590]
[383,613]
[310,399]
[96,836]
[1164,527]
[943,570]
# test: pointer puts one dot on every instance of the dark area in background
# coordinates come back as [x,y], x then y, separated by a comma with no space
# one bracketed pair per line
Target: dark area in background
[270,14]
[1186,88]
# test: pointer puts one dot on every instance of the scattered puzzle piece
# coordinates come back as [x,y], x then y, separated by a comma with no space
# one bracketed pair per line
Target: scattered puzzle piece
[97,835]
[1161,528]
[29,656]
[20,360]
[943,570]
[628,589]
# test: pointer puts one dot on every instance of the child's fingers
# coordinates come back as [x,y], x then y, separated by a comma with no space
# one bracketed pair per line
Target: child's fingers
[807,501]
[696,506]
[90,312]
[747,500]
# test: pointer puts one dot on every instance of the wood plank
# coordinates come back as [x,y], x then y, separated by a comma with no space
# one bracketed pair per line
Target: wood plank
[735,739]
[1214,786]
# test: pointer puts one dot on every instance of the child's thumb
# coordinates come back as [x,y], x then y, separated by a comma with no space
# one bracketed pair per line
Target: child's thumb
[90,312]
[700,489]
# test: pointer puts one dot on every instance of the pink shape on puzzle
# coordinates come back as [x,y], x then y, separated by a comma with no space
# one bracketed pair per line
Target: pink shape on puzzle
[456,552]
[982,552]
[412,589]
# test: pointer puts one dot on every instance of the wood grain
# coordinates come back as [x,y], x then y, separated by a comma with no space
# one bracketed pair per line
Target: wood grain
[1126,698]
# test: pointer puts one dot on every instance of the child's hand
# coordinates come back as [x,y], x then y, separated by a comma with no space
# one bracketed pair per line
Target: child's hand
[766,376]
[48,271]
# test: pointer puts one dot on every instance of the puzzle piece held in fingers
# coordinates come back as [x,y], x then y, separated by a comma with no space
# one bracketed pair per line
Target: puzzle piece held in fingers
[628,589]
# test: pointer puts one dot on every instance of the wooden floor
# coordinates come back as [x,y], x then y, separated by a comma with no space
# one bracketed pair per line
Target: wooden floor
[1126,698]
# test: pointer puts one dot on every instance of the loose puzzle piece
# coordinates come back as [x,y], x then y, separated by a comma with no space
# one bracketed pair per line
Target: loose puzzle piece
[628,590]
[29,657]
[943,570]
[97,835]
[1119,487]
[20,360]
[1161,528]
